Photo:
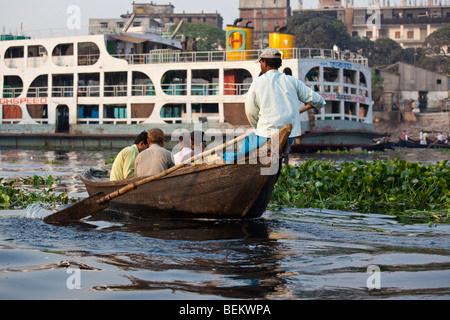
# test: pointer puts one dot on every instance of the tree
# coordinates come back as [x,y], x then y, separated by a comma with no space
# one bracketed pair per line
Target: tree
[209,37]
[434,55]
[315,30]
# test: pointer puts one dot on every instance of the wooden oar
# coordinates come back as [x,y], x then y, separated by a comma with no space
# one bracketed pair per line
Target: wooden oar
[100,201]
[306,107]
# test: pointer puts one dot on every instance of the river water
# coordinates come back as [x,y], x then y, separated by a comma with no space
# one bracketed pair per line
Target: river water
[288,254]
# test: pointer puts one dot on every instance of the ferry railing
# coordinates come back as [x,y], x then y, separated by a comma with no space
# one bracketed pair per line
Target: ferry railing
[207,89]
[174,89]
[236,89]
[63,92]
[88,59]
[143,90]
[115,91]
[89,91]
[173,56]
[10,92]
[37,92]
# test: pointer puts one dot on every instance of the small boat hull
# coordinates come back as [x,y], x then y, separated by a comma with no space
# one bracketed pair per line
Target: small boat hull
[216,191]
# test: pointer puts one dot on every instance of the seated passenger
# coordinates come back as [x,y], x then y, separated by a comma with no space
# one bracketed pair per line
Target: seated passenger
[156,158]
[198,145]
[123,166]
[185,144]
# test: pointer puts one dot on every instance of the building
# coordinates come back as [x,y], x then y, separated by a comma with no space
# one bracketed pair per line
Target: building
[270,14]
[404,83]
[151,15]
[408,23]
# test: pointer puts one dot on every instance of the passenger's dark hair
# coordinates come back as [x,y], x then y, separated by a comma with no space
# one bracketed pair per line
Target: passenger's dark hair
[142,137]
[273,62]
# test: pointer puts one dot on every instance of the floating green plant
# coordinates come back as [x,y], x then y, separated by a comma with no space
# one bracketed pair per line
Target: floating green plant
[16,195]
[379,186]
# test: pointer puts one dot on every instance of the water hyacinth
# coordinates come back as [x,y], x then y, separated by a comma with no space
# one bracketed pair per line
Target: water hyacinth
[379,186]
[15,194]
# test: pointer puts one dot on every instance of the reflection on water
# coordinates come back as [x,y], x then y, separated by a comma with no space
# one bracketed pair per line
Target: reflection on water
[288,254]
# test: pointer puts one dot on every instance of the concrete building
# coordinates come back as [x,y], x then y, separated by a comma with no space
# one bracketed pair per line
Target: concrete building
[408,23]
[148,15]
[264,16]
[404,83]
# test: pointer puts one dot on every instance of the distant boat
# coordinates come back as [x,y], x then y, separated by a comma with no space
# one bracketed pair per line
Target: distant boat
[416,144]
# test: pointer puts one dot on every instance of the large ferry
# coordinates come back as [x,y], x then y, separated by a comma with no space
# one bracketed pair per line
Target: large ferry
[102,90]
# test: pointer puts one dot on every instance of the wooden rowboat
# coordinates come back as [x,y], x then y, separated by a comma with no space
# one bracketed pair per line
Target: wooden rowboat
[217,191]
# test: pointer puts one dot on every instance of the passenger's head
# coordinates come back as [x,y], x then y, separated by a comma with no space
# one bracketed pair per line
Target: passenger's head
[269,59]
[185,139]
[156,136]
[142,141]
[197,138]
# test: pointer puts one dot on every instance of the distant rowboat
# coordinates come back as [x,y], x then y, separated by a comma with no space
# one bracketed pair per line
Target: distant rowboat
[217,191]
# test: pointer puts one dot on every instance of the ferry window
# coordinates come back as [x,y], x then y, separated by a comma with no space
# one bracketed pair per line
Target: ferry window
[63,50]
[39,87]
[173,82]
[363,110]
[14,53]
[11,112]
[62,85]
[350,76]
[237,81]
[115,111]
[313,75]
[37,111]
[205,107]
[362,80]
[62,55]
[115,84]
[205,82]
[37,51]
[142,110]
[331,75]
[37,55]
[350,108]
[12,86]
[87,112]
[89,84]
[14,57]
[142,85]
[88,53]
[173,111]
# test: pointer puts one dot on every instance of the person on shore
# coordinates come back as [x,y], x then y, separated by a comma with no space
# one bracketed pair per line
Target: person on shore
[123,166]
[404,135]
[272,102]
[156,158]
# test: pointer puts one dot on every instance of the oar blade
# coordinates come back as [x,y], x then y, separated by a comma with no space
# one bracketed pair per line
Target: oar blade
[78,210]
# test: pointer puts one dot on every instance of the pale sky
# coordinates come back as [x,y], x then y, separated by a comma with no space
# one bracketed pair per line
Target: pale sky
[52,14]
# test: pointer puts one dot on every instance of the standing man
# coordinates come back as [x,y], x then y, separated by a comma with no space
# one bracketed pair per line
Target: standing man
[123,166]
[272,102]
[156,158]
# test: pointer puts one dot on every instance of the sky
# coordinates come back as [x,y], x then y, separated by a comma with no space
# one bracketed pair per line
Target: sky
[43,15]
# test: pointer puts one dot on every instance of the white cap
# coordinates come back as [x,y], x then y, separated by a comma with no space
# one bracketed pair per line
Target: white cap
[269,53]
